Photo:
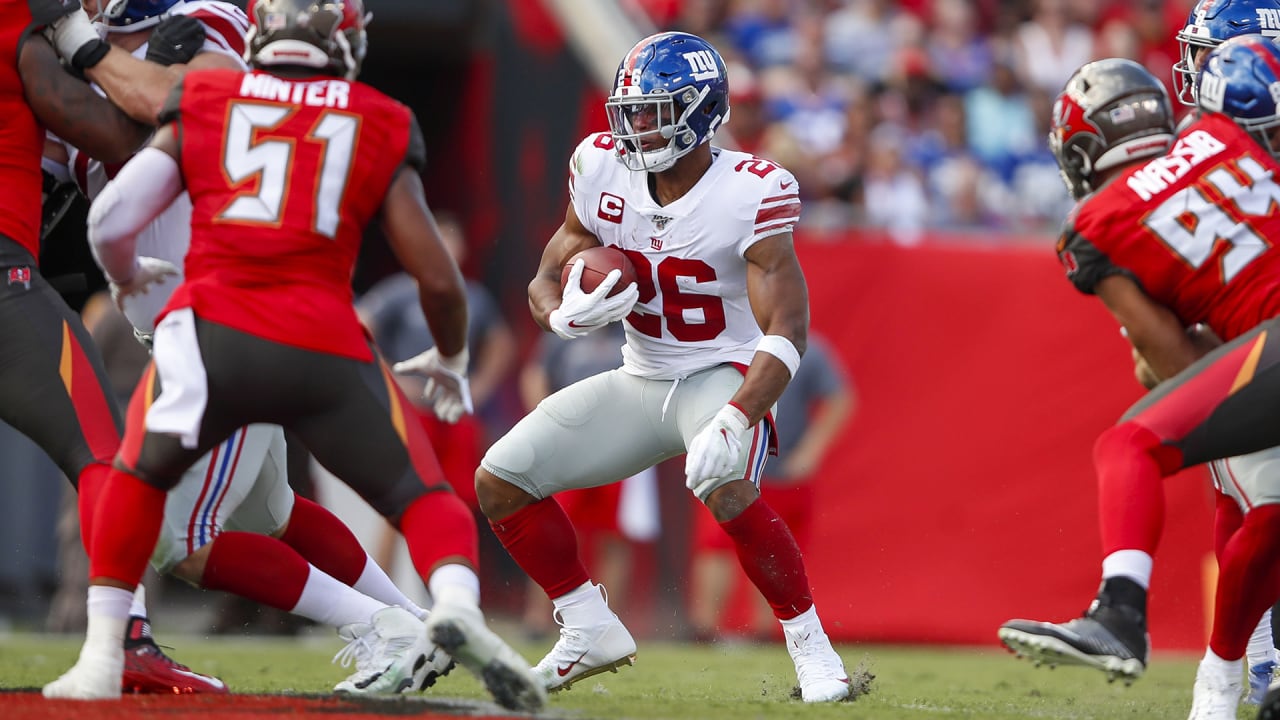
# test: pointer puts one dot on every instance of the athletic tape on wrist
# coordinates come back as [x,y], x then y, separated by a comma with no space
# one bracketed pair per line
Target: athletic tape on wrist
[781,348]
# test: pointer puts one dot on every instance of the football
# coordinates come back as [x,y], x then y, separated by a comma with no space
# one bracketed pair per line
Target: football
[599,262]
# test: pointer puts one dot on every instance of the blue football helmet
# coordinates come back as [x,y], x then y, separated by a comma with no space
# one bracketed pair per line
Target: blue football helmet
[670,96]
[1241,79]
[134,15]
[1213,22]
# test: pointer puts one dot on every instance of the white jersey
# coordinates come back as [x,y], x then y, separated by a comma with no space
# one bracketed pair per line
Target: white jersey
[693,311]
[169,236]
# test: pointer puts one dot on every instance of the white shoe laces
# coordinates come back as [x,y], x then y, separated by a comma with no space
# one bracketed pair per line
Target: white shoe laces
[573,643]
[814,658]
[359,649]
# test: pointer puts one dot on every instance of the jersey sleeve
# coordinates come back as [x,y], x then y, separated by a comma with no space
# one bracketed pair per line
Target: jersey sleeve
[172,108]
[778,209]
[224,24]
[415,154]
[1083,262]
[586,166]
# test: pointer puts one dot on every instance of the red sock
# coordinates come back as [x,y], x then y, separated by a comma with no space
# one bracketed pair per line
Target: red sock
[89,485]
[771,558]
[324,541]
[542,541]
[1248,581]
[438,526]
[1227,518]
[258,567]
[1132,463]
[125,528]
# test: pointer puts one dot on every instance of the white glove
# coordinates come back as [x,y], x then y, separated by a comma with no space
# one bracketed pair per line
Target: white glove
[146,271]
[447,389]
[715,449]
[76,39]
[580,313]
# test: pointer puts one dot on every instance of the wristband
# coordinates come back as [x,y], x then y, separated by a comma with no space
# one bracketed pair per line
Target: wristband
[781,348]
[90,54]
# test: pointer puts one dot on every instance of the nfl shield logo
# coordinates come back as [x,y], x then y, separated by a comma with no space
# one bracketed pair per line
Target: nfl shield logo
[20,275]
[660,222]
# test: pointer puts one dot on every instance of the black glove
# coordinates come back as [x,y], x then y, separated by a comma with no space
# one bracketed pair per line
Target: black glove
[55,200]
[175,40]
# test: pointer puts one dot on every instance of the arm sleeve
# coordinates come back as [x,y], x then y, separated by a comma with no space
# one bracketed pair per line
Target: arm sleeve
[1084,263]
[145,187]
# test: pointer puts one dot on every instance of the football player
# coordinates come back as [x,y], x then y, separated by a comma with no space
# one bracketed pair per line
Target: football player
[1209,24]
[1168,235]
[715,327]
[281,165]
[321,571]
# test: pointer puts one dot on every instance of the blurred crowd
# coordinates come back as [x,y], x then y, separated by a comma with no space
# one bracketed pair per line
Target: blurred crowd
[912,115]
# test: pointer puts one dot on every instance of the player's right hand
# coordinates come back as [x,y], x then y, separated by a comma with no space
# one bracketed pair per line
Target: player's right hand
[447,389]
[581,312]
[146,272]
[76,39]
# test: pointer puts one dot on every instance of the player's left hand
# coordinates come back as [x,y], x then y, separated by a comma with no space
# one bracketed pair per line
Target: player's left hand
[147,271]
[715,449]
[447,389]
[175,40]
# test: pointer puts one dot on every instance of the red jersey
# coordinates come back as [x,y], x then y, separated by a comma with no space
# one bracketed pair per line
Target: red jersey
[21,140]
[284,175]
[1192,227]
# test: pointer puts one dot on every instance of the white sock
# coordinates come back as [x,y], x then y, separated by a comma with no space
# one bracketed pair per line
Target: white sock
[108,611]
[1219,665]
[803,619]
[375,583]
[454,583]
[138,607]
[332,603]
[1261,647]
[1133,564]
[582,606]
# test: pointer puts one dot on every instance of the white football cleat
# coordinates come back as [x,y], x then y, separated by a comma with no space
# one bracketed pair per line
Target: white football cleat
[95,676]
[390,654]
[1216,694]
[818,668]
[585,651]
[459,629]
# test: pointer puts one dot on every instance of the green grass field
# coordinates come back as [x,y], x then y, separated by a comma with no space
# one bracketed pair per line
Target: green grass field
[684,681]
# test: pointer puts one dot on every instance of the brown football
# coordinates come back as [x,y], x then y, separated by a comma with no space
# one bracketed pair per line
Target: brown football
[599,262]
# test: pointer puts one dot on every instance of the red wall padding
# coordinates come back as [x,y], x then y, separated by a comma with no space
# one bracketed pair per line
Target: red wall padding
[962,492]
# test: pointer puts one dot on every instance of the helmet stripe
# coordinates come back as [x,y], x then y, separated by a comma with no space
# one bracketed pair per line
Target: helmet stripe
[1260,47]
[629,64]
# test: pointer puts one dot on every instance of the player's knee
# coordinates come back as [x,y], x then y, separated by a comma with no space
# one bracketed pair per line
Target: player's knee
[158,478]
[191,568]
[497,497]
[729,500]
[1129,441]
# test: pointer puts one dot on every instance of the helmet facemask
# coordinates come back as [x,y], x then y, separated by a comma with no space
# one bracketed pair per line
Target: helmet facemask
[636,117]
[1184,71]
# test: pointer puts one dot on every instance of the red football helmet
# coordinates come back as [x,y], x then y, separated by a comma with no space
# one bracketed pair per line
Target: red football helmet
[324,34]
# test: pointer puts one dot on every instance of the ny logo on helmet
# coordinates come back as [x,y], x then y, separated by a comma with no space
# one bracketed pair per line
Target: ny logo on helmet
[702,64]
[1269,20]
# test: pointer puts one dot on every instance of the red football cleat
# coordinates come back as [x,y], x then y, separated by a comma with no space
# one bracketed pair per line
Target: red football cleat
[148,670]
